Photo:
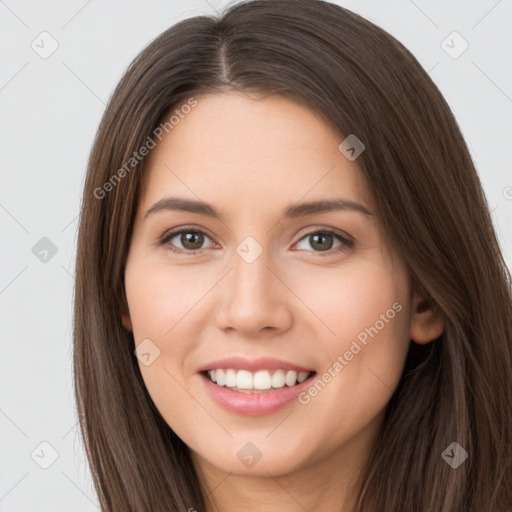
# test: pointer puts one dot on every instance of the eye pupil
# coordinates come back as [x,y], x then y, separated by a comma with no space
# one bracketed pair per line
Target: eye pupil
[321,236]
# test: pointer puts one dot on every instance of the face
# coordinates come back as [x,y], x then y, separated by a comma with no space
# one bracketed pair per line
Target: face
[271,291]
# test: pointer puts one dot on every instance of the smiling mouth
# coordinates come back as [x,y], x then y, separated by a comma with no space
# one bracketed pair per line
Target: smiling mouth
[262,381]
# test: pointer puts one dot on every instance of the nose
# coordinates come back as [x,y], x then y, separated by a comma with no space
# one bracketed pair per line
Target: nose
[254,298]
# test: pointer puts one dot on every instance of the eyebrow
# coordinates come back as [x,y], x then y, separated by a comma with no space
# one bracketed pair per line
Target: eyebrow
[295,211]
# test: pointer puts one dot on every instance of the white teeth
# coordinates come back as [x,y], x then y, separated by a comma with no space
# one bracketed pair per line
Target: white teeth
[291,378]
[278,379]
[221,377]
[302,376]
[260,380]
[230,378]
[243,380]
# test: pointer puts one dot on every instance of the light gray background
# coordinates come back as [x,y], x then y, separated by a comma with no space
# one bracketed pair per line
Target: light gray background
[50,109]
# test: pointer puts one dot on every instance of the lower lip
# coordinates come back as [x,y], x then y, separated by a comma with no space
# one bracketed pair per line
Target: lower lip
[254,404]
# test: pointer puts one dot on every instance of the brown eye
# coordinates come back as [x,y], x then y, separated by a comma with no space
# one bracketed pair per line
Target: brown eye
[191,239]
[322,241]
[185,241]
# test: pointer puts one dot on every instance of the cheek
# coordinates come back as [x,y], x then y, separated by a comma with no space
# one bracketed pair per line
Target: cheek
[162,304]
[364,351]
[159,298]
[357,301]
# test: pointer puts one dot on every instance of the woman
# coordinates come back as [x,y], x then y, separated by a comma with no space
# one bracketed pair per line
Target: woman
[289,291]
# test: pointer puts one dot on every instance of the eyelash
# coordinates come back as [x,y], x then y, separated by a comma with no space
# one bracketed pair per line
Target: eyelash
[346,244]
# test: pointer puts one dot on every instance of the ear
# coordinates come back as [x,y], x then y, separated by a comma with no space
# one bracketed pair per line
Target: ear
[427,322]
[126,320]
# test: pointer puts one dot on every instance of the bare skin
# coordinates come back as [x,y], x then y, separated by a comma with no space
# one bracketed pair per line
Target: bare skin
[251,160]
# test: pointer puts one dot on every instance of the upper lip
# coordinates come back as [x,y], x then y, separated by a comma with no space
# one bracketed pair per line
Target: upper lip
[253,365]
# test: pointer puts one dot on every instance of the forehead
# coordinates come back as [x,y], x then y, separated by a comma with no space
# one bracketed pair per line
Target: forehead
[233,145]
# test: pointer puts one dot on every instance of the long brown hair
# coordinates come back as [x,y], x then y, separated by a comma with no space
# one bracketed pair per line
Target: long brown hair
[458,388]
